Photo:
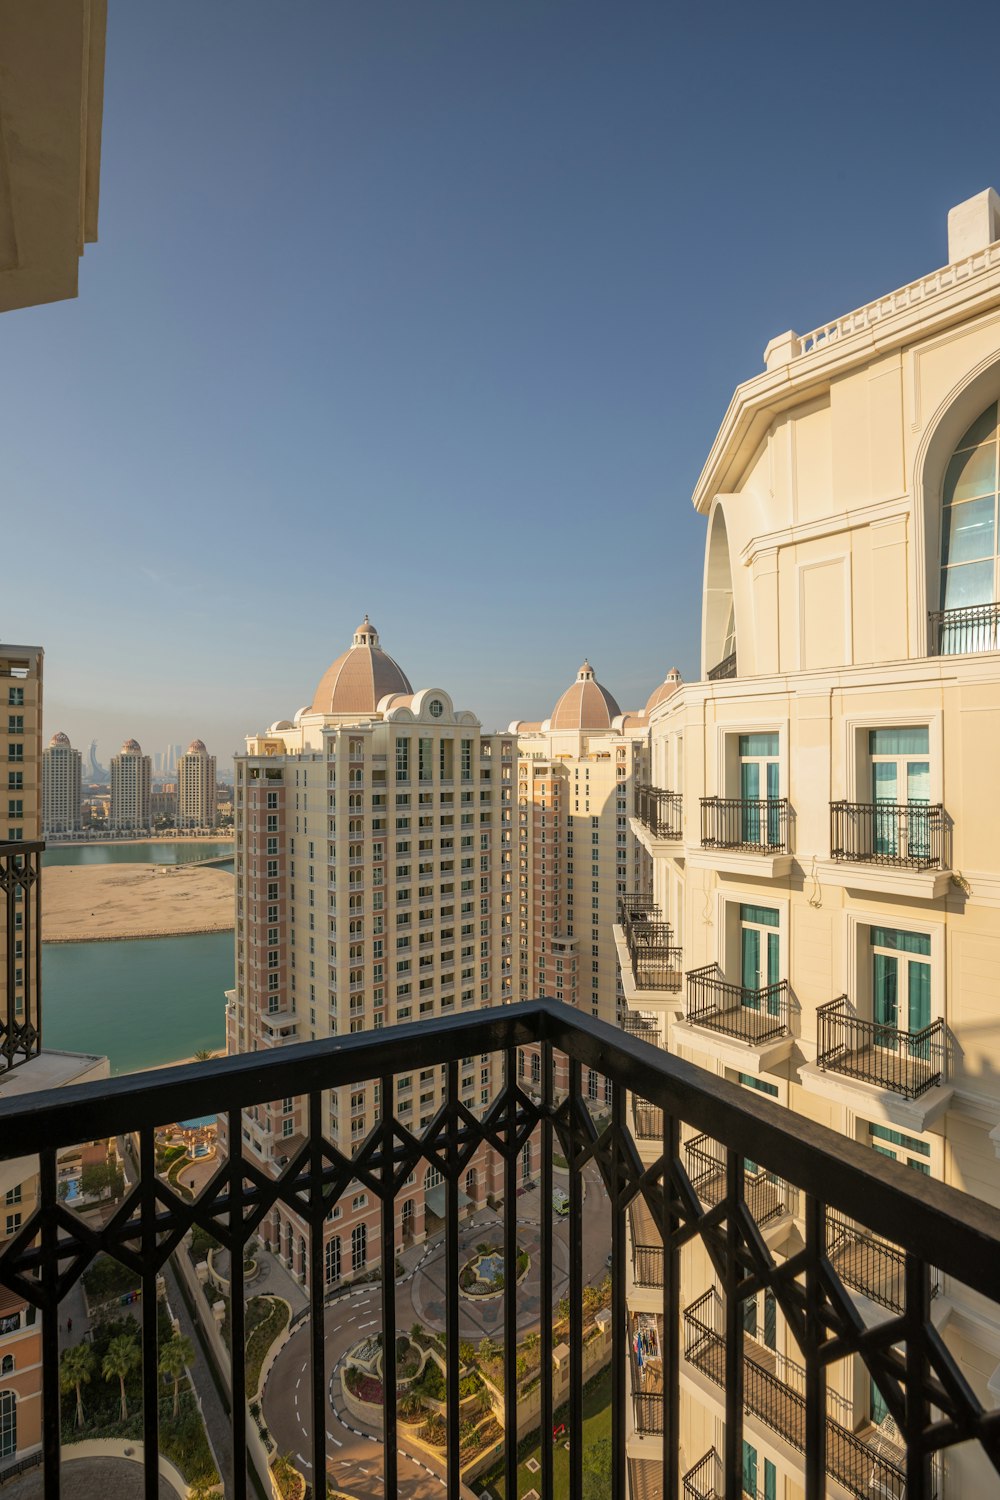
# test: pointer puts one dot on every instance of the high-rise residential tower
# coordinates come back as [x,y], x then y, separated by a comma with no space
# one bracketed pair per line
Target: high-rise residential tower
[61,786]
[196,803]
[374,884]
[131,782]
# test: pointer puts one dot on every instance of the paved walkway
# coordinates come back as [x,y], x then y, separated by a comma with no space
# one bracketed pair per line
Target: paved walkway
[85,1478]
[216,1416]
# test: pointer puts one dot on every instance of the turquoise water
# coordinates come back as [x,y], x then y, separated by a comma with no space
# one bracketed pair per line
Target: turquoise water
[140,1002]
[163,853]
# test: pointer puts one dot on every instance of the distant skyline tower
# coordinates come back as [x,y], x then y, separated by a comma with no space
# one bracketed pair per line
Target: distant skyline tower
[62,777]
[157,761]
[196,806]
[96,771]
[131,783]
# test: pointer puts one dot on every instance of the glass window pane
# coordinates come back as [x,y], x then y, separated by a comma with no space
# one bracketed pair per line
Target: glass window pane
[901,942]
[918,781]
[982,429]
[758,744]
[919,978]
[749,781]
[970,584]
[967,531]
[971,474]
[885,779]
[763,916]
[911,740]
[885,1008]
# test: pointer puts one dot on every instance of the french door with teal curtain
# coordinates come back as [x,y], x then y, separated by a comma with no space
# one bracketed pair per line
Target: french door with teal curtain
[901,984]
[760,823]
[901,775]
[750,1471]
[760,955]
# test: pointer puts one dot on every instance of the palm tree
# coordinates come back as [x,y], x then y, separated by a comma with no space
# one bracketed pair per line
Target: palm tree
[123,1354]
[175,1356]
[75,1370]
[203,1055]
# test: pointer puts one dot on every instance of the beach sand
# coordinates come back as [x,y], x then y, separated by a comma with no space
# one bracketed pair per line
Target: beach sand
[87,903]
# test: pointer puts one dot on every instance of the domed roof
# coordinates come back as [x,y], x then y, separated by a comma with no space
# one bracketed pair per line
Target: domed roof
[357,681]
[666,689]
[59,739]
[584,705]
[131,747]
[196,747]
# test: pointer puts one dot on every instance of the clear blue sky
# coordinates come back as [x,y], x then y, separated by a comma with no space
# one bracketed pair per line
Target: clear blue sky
[432,308]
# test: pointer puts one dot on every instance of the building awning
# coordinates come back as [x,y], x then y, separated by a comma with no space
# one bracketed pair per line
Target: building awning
[434,1199]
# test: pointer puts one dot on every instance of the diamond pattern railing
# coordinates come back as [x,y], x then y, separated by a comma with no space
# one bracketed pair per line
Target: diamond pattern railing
[925,1391]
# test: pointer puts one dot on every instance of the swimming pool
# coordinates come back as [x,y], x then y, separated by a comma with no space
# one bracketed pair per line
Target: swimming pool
[198,1124]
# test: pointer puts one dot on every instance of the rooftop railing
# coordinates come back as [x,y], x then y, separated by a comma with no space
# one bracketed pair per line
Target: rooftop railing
[753,1016]
[932,1224]
[957,632]
[904,1062]
[21,992]
[659,811]
[905,834]
[754,824]
[724,669]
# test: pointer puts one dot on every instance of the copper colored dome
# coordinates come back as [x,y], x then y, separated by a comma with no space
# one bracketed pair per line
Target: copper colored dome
[131,747]
[666,690]
[360,678]
[59,739]
[585,705]
[197,747]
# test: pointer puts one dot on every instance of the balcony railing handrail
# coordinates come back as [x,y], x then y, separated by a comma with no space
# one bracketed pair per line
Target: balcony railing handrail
[661,811]
[717,1003]
[870,1050]
[968,629]
[747,823]
[768,1196]
[724,669]
[906,834]
[935,1224]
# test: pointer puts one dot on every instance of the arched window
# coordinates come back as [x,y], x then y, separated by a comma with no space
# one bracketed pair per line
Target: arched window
[7,1365]
[359,1247]
[472,1183]
[331,1255]
[969,527]
[536,1068]
[432,1177]
[8,1424]
[526,1162]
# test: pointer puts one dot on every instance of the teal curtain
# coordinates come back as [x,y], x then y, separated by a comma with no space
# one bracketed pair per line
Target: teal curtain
[901,942]
[885,997]
[749,1469]
[764,916]
[879,1410]
[919,985]
[773,975]
[750,796]
[760,745]
[750,1317]
[750,966]
[770,1480]
[770,1321]
[914,740]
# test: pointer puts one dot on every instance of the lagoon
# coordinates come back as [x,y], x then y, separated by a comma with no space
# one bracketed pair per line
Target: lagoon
[153,852]
[141,1002]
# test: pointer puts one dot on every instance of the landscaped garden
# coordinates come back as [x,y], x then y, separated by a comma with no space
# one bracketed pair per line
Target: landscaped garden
[483,1275]
[596,1452]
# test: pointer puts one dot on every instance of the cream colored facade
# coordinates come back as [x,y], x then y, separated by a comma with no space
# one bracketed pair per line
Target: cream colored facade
[131,785]
[61,787]
[373,885]
[196,788]
[837,513]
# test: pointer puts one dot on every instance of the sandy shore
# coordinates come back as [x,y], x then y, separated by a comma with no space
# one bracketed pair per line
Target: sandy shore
[94,903]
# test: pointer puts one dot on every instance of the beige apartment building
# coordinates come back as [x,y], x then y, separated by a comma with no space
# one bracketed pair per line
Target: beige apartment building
[131,785]
[824,829]
[374,884]
[62,786]
[196,804]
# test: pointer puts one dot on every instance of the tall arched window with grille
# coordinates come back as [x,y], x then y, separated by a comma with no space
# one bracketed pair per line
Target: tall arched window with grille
[8,1424]
[359,1247]
[969,534]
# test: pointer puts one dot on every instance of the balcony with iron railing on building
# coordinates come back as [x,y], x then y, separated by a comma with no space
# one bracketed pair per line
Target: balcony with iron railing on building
[746,1028]
[963,632]
[906,1075]
[650,963]
[898,848]
[723,670]
[744,836]
[658,818]
[861,1458]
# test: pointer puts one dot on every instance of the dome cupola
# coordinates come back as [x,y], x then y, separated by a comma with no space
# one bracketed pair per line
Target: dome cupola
[585,704]
[360,678]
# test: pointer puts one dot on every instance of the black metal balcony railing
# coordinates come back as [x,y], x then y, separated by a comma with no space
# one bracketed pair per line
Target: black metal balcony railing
[724,669]
[645,1028]
[705,1480]
[767,1196]
[954,632]
[659,811]
[905,1062]
[907,834]
[870,1265]
[21,994]
[636,904]
[770,1393]
[647,1121]
[753,1016]
[753,824]
[655,961]
[933,1224]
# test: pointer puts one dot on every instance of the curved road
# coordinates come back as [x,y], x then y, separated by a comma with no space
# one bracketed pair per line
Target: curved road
[354,1457]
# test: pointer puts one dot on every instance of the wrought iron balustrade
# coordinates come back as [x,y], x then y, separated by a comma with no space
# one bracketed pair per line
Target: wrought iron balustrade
[647,1121]
[774,1391]
[908,834]
[655,961]
[870,1265]
[753,1016]
[904,1062]
[724,669]
[646,1028]
[933,1225]
[704,1481]
[660,811]
[767,1197]
[21,994]
[637,904]
[956,632]
[752,824]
